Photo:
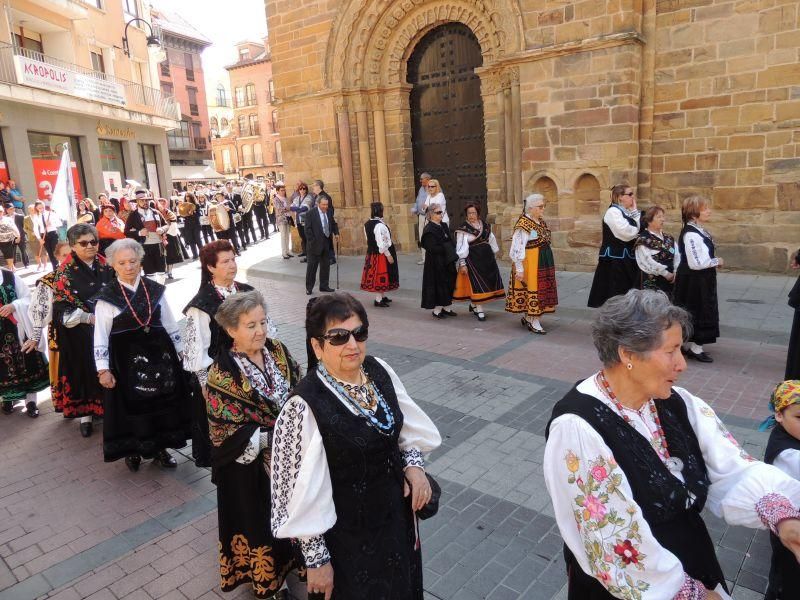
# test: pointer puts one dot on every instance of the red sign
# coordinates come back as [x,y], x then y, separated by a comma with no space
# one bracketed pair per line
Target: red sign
[4,172]
[45,170]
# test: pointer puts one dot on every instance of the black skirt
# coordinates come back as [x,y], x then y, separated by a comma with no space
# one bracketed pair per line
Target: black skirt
[174,253]
[613,277]
[696,291]
[793,356]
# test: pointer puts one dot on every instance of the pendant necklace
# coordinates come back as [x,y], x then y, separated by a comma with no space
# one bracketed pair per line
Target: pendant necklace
[221,297]
[145,324]
[673,463]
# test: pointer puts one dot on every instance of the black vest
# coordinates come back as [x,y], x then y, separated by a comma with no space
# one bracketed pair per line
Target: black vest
[612,246]
[208,300]
[369,229]
[784,572]
[670,507]
[125,321]
[683,267]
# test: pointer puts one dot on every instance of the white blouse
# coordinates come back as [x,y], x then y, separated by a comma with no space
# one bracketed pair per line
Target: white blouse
[743,491]
[439,199]
[104,314]
[40,310]
[302,495]
[646,262]
[697,255]
[464,239]
[383,237]
[619,225]
[519,240]
[788,461]
[21,308]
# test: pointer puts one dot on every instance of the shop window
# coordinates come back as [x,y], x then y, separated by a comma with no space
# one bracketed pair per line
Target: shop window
[149,167]
[113,165]
[46,151]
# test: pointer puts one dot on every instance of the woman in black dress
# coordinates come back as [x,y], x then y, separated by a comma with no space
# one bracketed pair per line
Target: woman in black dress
[247,385]
[656,254]
[617,271]
[348,466]
[439,272]
[793,356]
[380,273]
[191,224]
[696,279]
[136,346]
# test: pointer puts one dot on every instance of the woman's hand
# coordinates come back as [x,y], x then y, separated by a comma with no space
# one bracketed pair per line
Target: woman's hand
[29,346]
[789,532]
[107,380]
[416,484]
[721,263]
[320,580]
[6,310]
[670,277]
[390,260]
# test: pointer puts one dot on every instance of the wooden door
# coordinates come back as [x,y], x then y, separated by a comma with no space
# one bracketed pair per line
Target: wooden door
[447,115]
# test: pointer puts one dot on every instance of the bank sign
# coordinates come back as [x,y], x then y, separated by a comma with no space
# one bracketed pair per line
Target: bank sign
[41,75]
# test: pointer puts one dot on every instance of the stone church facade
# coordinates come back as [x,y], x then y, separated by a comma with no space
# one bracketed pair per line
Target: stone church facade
[500,98]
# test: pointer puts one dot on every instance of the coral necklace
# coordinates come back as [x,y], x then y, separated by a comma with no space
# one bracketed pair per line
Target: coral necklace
[145,324]
[673,463]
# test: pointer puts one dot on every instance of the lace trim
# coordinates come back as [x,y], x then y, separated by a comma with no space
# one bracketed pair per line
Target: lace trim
[191,348]
[413,458]
[691,590]
[774,508]
[249,455]
[315,552]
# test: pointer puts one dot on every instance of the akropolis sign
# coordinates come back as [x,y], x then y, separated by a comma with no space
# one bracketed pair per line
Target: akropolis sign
[41,75]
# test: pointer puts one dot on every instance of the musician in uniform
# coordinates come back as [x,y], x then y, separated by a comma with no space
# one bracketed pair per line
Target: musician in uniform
[206,229]
[260,212]
[228,231]
[189,212]
[147,226]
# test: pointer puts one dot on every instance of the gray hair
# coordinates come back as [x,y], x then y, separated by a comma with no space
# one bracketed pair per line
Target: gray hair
[425,176]
[233,307]
[635,322]
[76,232]
[320,183]
[124,244]
[533,198]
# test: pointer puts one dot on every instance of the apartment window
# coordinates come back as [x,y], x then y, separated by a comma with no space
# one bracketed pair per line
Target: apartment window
[29,43]
[131,7]
[244,54]
[251,94]
[97,61]
[258,158]
[214,124]
[194,110]
[222,98]
[197,138]
[271,87]
[167,89]
[97,3]
[255,129]
[226,160]
[278,153]
[165,68]
[274,121]
[247,155]
[239,96]
[243,131]
[189,65]
[178,139]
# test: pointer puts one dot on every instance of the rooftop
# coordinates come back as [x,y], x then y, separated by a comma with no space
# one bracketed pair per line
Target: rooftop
[175,24]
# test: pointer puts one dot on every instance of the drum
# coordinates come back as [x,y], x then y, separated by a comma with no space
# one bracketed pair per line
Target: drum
[219,218]
[186,209]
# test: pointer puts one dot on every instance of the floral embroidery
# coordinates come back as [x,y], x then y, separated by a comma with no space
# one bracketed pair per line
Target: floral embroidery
[611,539]
[315,552]
[246,564]
[286,465]
[708,412]
[774,508]
[412,457]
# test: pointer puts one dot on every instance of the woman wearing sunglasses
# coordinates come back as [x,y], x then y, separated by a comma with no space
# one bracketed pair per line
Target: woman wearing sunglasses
[348,467]
[436,196]
[247,385]
[439,272]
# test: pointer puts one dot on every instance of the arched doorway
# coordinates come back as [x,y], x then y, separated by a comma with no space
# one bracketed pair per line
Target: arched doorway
[447,114]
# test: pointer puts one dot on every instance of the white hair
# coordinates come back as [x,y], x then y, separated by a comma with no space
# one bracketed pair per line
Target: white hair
[533,199]
[124,244]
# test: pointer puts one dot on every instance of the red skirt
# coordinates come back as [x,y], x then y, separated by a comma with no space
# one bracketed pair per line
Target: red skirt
[378,275]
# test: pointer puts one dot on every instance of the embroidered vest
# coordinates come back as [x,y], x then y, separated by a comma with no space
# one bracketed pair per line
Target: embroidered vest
[612,246]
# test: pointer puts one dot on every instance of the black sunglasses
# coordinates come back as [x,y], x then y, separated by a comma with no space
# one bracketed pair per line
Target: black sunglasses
[438,212]
[85,243]
[339,337]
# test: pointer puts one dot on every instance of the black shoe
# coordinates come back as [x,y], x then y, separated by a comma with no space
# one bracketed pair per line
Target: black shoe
[290,255]
[86,429]
[326,289]
[449,313]
[383,303]
[702,357]
[169,276]
[8,407]
[387,300]
[286,257]
[333,261]
[303,260]
[133,463]
[165,459]
[309,292]
[438,316]
[33,410]
[302,254]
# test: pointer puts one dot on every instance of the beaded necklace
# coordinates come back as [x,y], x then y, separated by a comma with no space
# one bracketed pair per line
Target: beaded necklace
[369,390]
[673,463]
[145,324]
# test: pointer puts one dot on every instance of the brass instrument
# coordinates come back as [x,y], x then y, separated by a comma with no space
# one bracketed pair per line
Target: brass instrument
[186,209]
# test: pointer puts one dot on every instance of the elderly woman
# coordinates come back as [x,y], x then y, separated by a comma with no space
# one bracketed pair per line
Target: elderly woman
[533,289]
[631,461]
[617,271]
[247,386]
[436,196]
[478,279]
[347,464]
[656,254]
[439,272]
[136,347]
[696,280]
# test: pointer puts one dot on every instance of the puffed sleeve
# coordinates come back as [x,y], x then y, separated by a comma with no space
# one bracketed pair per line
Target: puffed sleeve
[197,340]
[170,325]
[302,495]
[602,524]
[21,306]
[384,238]
[697,252]
[788,461]
[743,490]
[104,314]
[646,262]
[462,247]
[620,226]
[493,243]
[517,252]
[419,435]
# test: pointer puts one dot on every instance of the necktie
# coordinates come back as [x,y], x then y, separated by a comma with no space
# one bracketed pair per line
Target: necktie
[325,224]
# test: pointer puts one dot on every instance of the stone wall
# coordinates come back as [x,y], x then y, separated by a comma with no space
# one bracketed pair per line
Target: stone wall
[672,96]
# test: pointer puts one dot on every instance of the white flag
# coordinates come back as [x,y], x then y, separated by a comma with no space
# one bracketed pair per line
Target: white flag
[63,202]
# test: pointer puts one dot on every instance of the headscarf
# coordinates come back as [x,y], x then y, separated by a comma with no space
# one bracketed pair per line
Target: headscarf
[785,394]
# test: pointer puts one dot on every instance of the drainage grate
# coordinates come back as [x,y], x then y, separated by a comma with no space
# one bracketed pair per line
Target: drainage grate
[744,301]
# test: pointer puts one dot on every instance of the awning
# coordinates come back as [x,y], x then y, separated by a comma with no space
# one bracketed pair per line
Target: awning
[194,173]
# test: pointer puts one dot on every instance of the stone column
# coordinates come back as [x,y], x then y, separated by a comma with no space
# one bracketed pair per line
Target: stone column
[379,123]
[509,153]
[345,151]
[516,131]
[501,141]
[362,123]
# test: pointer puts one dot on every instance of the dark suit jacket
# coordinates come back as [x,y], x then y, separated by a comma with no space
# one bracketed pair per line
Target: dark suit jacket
[316,242]
[134,224]
[324,194]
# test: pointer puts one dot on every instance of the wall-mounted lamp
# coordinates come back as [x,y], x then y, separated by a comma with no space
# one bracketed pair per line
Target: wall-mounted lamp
[152,39]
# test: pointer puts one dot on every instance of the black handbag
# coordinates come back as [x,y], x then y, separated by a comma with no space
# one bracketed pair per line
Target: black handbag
[450,254]
[432,507]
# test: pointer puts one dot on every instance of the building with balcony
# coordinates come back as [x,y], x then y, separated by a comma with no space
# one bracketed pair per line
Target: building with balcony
[72,74]
[181,75]
[253,149]
[220,105]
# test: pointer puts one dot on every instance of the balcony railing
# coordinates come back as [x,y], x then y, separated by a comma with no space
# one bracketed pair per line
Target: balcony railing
[200,143]
[245,102]
[194,109]
[21,66]
[165,70]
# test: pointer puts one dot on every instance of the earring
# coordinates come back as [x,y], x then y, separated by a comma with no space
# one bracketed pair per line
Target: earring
[629,366]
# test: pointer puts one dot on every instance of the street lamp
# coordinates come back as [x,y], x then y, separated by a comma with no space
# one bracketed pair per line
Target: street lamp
[152,39]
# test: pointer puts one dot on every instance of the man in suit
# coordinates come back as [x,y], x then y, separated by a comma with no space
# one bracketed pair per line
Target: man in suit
[19,221]
[319,192]
[321,231]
